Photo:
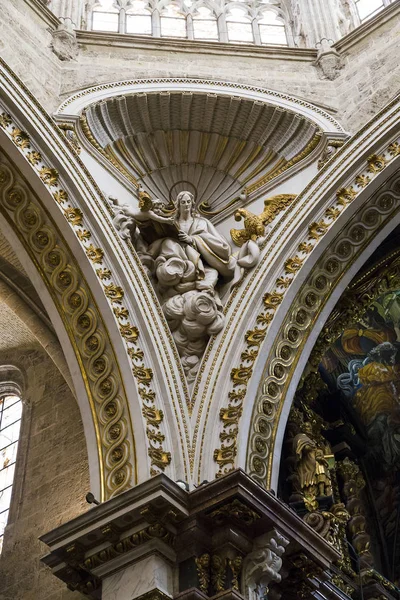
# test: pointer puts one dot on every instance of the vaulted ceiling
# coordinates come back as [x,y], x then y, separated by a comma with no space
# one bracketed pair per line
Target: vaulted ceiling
[214,145]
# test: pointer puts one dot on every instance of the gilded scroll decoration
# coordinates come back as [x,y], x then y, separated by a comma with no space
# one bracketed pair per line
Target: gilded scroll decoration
[79,312]
[159,458]
[294,331]
[203,571]
[310,301]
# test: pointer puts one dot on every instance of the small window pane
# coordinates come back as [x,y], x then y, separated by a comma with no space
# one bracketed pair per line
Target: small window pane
[271,34]
[238,15]
[205,29]
[8,436]
[5,498]
[173,27]
[8,401]
[269,17]
[7,454]
[367,7]
[140,24]
[138,7]
[105,21]
[3,522]
[7,476]
[11,414]
[10,421]
[240,32]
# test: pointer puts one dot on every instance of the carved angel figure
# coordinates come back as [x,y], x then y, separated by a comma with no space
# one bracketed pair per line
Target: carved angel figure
[188,262]
[322,474]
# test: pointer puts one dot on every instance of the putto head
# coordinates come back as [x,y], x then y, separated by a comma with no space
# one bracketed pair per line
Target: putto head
[145,202]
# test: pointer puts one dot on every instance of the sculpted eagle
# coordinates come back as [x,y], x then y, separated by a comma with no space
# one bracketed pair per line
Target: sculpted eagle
[254,225]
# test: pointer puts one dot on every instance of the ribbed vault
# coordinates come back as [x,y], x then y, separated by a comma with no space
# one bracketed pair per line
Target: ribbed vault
[217,144]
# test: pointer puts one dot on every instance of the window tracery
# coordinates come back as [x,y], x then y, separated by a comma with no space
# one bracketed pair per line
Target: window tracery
[240,21]
[369,8]
[10,422]
[238,24]
[105,16]
[138,18]
[205,25]
[173,21]
[272,28]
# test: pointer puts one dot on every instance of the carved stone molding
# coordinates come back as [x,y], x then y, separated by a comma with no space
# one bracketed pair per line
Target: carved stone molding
[294,242]
[328,61]
[114,546]
[310,301]
[64,44]
[86,103]
[197,143]
[50,177]
[78,310]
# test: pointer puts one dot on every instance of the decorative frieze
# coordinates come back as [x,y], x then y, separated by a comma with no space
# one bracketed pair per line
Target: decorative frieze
[225,539]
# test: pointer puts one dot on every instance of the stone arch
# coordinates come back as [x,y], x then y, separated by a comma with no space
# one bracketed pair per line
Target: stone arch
[74,263]
[266,367]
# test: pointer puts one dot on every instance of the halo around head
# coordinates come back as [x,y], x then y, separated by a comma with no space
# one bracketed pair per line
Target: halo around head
[182,186]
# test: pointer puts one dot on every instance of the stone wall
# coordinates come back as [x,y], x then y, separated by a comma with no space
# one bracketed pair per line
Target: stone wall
[52,479]
[25,46]
[103,60]
[371,74]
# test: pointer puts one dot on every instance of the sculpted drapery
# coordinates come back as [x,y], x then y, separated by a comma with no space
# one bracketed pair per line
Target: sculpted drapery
[190,264]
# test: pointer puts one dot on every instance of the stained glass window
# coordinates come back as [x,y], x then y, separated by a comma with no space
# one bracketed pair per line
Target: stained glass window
[10,421]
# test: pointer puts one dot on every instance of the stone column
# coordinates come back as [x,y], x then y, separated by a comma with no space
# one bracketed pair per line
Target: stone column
[156,23]
[189,27]
[256,32]
[222,28]
[227,539]
[319,25]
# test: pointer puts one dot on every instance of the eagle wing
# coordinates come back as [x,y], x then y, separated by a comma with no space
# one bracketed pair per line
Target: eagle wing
[274,205]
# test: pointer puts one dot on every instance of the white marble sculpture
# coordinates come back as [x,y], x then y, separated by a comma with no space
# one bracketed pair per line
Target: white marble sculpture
[262,565]
[189,263]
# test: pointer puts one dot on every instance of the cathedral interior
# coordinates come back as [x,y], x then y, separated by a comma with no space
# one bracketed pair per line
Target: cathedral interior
[200,300]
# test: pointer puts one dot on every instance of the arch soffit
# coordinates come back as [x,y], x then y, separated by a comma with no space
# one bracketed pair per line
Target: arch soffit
[292,253]
[50,169]
[77,102]
[99,115]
